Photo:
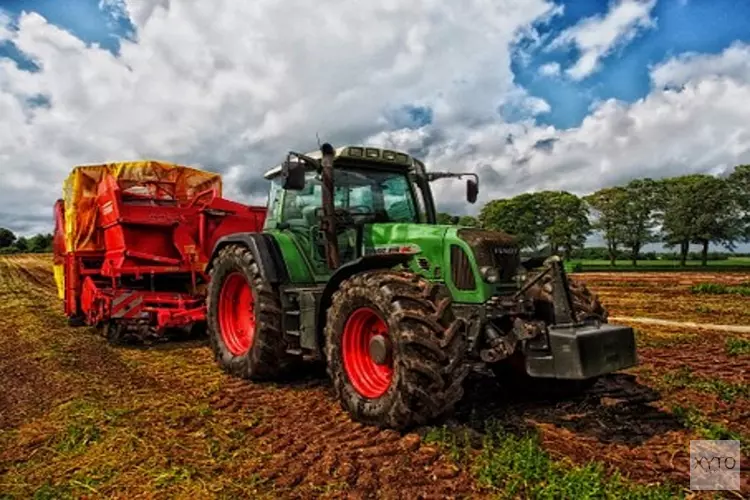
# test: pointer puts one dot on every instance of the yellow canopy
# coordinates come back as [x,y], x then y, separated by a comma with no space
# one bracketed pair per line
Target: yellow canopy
[79,193]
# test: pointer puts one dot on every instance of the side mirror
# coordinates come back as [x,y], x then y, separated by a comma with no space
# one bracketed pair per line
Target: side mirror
[292,175]
[472,190]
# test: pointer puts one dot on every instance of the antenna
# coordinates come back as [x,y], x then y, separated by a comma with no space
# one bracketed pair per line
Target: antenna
[318,137]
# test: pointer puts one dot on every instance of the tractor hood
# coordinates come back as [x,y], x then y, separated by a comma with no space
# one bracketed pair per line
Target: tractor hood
[451,254]
[425,239]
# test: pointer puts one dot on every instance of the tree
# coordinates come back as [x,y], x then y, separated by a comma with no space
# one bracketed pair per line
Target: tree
[565,222]
[639,220]
[7,238]
[518,216]
[445,218]
[739,183]
[555,218]
[463,220]
[40,243]
[609,211]
[680,209]
[701,209]
[22,245]
[719,221]
[468,220]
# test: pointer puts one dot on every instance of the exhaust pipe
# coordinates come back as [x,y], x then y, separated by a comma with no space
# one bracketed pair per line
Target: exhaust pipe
[328,223]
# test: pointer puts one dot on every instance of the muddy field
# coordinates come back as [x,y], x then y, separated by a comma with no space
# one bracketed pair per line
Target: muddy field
[79,418]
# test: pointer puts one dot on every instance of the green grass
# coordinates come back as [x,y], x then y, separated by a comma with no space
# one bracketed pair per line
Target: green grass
[731,264]
[514,466]
[719,289]
[737,346]
[685,379]
[692,418]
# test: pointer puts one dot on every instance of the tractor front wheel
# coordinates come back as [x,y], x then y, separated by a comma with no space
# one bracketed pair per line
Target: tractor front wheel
[244,317]
[395,350]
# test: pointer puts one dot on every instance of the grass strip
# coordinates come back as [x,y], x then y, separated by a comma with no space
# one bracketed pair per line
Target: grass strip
[516,466]
[720,289]
[685,379]
[737,346]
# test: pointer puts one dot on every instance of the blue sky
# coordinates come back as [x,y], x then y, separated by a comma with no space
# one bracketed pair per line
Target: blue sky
[84,18]
[705,26]
[472,86]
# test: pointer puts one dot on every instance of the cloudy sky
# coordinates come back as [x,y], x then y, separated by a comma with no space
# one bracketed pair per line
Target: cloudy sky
[531,94]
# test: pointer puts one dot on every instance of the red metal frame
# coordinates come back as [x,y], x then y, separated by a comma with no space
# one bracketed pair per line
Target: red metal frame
[154,258]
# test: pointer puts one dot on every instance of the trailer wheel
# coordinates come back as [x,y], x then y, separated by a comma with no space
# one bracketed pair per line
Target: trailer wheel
[244,317]
[394,348]
[116,333]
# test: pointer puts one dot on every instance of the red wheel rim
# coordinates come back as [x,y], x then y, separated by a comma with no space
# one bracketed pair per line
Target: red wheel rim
[371,380]
[236,315]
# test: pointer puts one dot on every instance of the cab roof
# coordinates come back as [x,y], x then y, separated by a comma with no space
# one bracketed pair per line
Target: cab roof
[355,152]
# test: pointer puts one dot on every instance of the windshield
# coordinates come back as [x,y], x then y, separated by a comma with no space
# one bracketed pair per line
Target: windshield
[375,195]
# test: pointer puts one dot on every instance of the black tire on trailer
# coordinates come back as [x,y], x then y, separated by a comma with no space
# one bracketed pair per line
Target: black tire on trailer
[115,333]
[77,321]
[419,368]
[244,317]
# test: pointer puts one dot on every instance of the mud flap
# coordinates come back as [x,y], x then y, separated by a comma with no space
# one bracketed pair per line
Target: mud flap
[581,352]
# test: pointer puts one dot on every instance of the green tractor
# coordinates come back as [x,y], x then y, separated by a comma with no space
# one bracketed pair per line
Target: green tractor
[352,270]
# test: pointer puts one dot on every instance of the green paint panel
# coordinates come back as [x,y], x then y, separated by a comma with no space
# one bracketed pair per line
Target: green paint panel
[297,265]
[432,261]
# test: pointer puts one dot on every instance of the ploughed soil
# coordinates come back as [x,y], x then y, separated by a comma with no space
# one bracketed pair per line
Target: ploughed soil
[668,295]
[81,418]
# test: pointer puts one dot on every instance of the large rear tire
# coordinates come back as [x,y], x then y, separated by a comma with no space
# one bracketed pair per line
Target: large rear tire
[395,350]
[244,317]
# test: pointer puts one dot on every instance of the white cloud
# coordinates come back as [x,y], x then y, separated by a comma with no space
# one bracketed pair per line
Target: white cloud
[236,94]
[733,62]
[259,79]
[549,69]
[700,128]
[595,37]
[528,38]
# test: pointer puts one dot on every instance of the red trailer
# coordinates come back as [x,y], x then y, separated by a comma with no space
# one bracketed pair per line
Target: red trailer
[132,242]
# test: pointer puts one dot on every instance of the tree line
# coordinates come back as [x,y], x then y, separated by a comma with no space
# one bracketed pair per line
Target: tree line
[679,211]
[10,243]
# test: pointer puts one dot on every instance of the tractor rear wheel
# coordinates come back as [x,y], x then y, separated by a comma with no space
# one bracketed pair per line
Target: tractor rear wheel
[395,350]
[244,317]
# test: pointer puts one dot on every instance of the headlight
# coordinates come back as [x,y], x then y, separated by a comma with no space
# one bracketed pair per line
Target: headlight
[490,274]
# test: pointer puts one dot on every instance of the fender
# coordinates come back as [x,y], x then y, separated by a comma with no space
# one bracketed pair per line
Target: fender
[264,248]
[364,263]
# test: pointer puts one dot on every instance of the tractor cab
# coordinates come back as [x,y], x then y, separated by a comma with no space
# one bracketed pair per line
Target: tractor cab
[369,186]
[364,193]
